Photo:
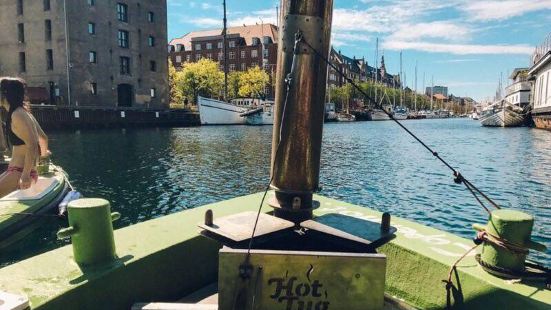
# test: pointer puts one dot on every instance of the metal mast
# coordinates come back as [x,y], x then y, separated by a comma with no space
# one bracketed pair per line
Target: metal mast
[415,93]
[300,92]
[376,68]
[225,51]
[401,82]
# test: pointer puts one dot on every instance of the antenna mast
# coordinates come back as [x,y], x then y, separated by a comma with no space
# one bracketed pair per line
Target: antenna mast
[225,51]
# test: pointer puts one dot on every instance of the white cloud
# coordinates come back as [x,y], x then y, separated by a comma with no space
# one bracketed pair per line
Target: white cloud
[267,16]
[206,22]
[500,10]
[447,30]
[459,49]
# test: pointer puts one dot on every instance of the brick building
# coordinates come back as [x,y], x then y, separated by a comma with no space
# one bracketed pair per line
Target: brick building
[87,52]
[248,46]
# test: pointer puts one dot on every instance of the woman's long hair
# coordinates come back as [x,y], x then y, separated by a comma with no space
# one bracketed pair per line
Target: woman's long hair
[13,90]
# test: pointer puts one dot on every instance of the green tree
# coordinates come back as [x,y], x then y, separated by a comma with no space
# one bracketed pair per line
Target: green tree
[202,78]
[234,79]
[252,82]
[176,91]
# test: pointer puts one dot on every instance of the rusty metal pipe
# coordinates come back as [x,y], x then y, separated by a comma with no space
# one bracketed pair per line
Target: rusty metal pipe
[298,123]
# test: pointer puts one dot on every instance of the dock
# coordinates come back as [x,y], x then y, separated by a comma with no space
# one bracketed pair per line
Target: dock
[70,117]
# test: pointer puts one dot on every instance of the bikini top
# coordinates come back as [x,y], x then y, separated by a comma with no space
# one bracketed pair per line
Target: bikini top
[13,139]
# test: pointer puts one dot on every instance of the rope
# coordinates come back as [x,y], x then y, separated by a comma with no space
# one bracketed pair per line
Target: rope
[459,179]
[449,282]
[514,248]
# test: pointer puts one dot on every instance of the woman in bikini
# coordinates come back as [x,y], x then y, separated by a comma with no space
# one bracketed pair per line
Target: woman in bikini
[24,134]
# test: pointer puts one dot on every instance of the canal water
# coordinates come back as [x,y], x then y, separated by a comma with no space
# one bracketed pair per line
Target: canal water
[147,173]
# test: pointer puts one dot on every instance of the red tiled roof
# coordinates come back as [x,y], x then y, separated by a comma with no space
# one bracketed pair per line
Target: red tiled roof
[246,32]
[440,97]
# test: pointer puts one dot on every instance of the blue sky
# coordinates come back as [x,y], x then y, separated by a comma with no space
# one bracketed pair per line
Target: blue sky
[463,44]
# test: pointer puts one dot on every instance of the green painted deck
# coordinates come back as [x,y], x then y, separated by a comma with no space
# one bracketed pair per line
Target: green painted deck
[165,258]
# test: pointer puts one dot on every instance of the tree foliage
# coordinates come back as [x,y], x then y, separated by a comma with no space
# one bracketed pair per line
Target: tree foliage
[253,82]
[202,78]
[176,91]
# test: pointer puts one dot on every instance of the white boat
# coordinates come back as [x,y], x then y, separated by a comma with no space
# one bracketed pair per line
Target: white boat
[400,114]
[330,112]
[474,116]
[216,112]
[379,115]
[502,114]
[345,117]
[260,116]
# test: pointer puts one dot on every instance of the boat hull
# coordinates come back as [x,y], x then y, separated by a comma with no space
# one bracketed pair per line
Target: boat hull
[378,115]
[27,211]
[216,112]
[502,118]
[180,261]
[259,119]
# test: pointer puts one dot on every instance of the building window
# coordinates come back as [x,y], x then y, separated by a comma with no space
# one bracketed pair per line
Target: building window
[232,44]
[243,67]
[197,57]
[153,66]
[49,59]
[91,2]
[242,54]
[188,58]
[209,46]
[266,53]
[123,39]
[125,65]
[22,62]
[122,12]
[178,59]
[209,56]
[19,7]
[151,41]
[94,88]
[232,55]
[153,92]
[254,53]
[151,17]
[93,57]
[220,56]
[232,67]
[91,28]
[198,47]
[48,30]
[21,33]
[47,5]
[220,45]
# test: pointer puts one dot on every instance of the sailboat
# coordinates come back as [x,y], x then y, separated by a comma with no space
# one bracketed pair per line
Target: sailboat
[218,112]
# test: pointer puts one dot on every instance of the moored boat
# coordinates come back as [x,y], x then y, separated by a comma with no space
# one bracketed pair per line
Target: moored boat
[400,113]
[379,115]
[216,112]
[19,209]
[260,116]
[502,114]
[540,72]
[345,117]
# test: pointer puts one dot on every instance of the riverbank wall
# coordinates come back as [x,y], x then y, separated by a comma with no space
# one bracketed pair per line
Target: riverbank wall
[57,117]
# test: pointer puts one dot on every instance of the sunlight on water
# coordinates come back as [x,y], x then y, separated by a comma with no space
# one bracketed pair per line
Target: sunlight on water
[147,173]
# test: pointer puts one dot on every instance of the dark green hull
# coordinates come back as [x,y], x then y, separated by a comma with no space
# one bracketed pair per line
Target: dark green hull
[165,259]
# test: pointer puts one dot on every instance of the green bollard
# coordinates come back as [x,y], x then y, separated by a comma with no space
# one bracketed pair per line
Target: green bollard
[91,231]
[515,227]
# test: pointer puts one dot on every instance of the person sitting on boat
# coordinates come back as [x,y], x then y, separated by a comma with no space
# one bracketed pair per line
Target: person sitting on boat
[24,135]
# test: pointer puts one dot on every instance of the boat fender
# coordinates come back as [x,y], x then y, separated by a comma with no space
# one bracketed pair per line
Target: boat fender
[70,196]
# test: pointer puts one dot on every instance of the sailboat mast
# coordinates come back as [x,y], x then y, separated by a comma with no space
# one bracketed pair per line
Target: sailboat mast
[225,52]
[431,91]
[376,68]
[415,94]
[401,82]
